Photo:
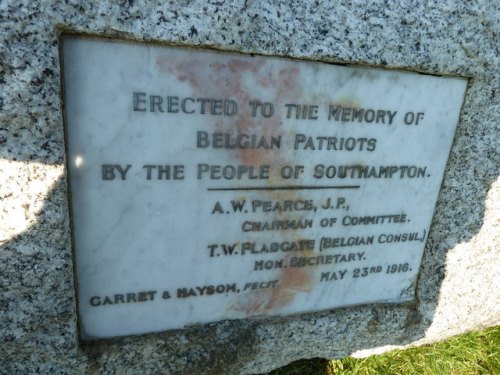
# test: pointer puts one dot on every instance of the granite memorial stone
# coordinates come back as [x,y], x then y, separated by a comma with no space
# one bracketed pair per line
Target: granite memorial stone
[210,187]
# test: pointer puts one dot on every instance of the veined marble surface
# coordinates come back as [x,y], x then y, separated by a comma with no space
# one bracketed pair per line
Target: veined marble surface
[209,186]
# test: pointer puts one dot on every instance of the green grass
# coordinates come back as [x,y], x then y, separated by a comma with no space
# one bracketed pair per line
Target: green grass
[472,353]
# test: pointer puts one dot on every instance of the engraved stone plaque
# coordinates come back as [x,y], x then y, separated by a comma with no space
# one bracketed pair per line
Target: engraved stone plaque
[208,185]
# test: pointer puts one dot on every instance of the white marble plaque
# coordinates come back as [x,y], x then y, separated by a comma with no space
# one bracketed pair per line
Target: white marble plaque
[209,185]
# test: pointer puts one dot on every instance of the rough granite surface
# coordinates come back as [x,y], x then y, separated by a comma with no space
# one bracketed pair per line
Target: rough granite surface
[459,284]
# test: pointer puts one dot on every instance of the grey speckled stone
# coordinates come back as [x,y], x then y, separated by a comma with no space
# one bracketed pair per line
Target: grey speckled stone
[459,280]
